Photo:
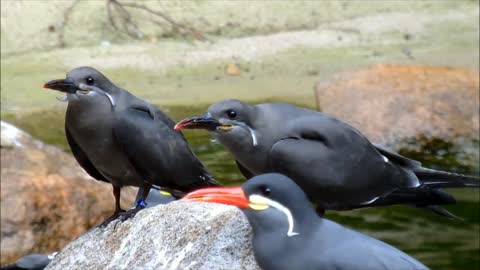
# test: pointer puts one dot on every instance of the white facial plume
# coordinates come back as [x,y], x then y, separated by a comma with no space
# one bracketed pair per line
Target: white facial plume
[262,200]
[97,90]
[63,99]
[252,132]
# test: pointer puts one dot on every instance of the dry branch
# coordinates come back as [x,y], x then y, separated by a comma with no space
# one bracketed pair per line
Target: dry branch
[129,26]
[63,24]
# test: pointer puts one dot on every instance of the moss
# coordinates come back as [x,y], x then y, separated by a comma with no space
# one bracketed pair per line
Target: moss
[440,154]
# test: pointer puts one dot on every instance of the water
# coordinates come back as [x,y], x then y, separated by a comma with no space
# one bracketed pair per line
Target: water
[436,241]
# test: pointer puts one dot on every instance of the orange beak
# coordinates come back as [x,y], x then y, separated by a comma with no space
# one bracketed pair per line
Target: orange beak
[231,196]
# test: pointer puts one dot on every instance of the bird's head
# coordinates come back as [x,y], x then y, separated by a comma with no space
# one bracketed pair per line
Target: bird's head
[271,202]
[230,121]
[83,83]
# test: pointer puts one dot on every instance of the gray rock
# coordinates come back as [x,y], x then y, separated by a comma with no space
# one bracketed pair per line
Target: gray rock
[179,235]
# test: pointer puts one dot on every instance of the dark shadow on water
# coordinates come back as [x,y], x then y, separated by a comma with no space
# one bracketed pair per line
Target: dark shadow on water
[437,241]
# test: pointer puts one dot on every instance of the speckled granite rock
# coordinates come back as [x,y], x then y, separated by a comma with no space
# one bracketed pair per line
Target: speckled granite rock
[179,235]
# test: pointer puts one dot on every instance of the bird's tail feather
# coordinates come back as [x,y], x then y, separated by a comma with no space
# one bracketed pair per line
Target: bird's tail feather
[442,179]
[442,212]
[422,197]
[211,181]
[206,180]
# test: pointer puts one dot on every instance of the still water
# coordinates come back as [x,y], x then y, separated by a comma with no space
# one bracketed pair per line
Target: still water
[436,241]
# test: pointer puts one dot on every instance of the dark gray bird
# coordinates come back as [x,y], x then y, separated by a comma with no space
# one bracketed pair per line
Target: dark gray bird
[288,234]
[121,139]
[30,262]
[334,163]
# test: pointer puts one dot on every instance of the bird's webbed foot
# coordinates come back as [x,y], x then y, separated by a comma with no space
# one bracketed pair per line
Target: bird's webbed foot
[141,204]
[113,217]
[320,211]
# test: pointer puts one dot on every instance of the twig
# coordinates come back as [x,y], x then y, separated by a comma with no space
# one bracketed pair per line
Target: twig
[126,17]
[61,29]
[129,26]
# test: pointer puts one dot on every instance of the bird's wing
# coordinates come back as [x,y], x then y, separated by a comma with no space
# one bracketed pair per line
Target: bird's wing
[245,172]
[397,158]
[327,153]
[158,153]
[349,249]
[82,158]
[429,177]
[370,256]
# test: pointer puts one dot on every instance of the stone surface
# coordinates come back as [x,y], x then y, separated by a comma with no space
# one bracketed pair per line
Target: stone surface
[178,235]
[232,69]
[393,103]
[47,200]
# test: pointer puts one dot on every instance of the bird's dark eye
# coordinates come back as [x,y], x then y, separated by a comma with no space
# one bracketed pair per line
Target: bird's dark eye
[266,191]
[90,81]
[231,113]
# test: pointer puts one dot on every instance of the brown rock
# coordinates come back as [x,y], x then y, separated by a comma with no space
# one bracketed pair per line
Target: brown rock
[391,103]
[47,200]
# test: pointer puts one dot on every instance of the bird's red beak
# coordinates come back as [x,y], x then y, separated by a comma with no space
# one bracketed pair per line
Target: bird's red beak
[231,196]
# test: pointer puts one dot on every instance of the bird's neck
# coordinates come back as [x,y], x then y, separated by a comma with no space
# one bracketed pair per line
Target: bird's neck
[272,241]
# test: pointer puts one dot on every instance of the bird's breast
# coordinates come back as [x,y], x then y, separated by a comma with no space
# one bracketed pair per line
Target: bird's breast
[92,130]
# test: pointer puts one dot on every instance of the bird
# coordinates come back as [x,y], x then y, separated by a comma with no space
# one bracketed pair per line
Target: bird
[335,164]
[123,140]
[30,262]
[288,233]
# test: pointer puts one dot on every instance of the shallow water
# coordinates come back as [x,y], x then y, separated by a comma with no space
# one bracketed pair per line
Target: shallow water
[436,241]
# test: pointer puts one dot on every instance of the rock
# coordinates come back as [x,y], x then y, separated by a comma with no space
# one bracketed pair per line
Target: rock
[232,69]
[47,199]
[178,235]
[393,104]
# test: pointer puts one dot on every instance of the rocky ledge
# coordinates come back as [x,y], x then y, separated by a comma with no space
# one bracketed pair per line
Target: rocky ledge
[178,235]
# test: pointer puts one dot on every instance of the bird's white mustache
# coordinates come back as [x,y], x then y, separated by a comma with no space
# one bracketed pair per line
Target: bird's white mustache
[71,97]
[63,99]
[97,90]
[84,87]
[253,135]
[251,131]
[278,206]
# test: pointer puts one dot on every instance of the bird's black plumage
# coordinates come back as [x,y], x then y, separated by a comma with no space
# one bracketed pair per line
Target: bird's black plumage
[82,158]
[288,234]
[126,141]
[333,162]
[146,136]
